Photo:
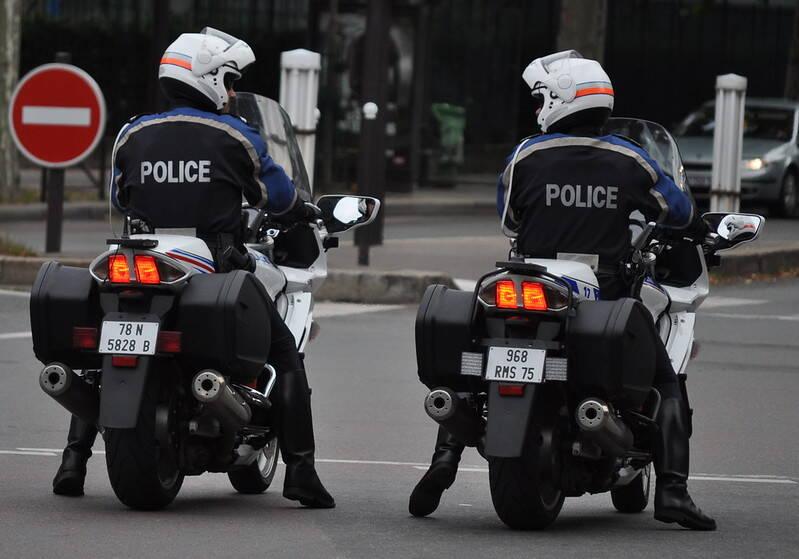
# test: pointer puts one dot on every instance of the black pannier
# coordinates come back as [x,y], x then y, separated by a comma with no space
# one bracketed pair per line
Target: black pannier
[443,333]
[611,351]
[62,298]
[224,320]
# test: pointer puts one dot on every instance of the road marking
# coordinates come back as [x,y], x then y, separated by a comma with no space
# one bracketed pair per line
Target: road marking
[15,335]
[786,317]
[57,116]
[325,310]
[715,301]
[13,293]
[757,478]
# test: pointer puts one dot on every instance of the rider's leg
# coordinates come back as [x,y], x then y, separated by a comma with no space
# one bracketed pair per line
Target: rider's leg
[72,472]
[292,400]
[439,477]
[671,453]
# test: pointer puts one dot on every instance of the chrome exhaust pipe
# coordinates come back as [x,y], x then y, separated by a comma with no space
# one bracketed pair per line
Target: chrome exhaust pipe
[221,401]
[447,409]
[599,423]
[65,387]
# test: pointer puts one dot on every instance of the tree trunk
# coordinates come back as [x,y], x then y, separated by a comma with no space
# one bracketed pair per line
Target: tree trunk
[582,27]
[10,23]
[792,73]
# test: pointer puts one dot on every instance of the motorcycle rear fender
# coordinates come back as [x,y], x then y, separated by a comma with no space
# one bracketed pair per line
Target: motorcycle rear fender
[508,420]
[121,393]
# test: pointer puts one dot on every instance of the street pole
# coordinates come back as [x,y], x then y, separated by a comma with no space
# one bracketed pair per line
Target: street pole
[372,163]
[725,186]
[418,109]
[54,192]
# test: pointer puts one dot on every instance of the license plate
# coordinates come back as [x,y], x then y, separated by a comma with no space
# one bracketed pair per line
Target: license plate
[515,364]
[128,338]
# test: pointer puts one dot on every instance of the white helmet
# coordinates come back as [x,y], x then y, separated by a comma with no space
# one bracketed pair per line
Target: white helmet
[204,60]
[568,83]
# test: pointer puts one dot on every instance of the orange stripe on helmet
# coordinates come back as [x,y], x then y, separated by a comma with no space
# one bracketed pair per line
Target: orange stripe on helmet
[176,62]
[595,91]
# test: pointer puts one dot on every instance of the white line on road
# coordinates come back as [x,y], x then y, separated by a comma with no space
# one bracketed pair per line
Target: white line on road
[715,301]
[57,116]
[15,336]
[325,310]
[13,293]
[28,451]
[790,317]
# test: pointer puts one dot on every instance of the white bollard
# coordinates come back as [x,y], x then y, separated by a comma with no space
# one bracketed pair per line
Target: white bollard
[299,89]
[725,188]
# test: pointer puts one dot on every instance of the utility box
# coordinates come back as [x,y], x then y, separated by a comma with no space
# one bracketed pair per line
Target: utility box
[725,188]
[299,90]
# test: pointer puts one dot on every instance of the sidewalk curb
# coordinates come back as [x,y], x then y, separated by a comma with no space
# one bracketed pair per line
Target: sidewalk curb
[352,286]
[766,261]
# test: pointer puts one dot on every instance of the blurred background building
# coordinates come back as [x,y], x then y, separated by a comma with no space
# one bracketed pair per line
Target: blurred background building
[456,101]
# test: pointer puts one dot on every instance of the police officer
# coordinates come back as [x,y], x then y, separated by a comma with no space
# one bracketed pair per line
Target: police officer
[573,191]
[189,167]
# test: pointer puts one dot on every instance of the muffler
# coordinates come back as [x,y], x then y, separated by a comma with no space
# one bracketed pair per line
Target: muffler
[447,409]
[221,401]
[599,423]
[65,387]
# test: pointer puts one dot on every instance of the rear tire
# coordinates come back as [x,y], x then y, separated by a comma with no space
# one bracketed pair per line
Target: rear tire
[633,497]
[257,477]
[144,475]
[526,490]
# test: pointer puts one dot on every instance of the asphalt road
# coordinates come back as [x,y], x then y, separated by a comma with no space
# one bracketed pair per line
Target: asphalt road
[374,439]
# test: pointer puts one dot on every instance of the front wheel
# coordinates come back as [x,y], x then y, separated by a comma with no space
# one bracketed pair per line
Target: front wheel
[526,490]
[788,203]
[143,471]
[633,497]
[257,477]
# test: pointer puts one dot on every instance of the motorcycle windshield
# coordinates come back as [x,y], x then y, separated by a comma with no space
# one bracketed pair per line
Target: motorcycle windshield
[657,142]
[274,125]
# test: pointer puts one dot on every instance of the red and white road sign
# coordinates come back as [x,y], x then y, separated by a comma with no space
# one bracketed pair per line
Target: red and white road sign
[57,115]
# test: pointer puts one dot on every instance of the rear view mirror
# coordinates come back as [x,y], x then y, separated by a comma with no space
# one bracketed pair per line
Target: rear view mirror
[733,229]
[341,213]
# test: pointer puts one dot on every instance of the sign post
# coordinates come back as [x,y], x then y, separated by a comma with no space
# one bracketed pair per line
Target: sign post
[725,187]
[57,116]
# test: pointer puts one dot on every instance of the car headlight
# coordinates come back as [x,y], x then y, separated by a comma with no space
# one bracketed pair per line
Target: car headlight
[755,164]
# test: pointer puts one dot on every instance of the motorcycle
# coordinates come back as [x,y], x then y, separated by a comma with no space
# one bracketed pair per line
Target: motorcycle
[552,384]
[172,352]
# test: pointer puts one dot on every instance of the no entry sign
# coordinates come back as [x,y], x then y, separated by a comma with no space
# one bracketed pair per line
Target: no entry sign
[57,115]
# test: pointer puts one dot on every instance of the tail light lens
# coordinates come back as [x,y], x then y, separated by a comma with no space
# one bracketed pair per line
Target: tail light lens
[125,361]
[118,269]
[511,390]
[169,342]
[506,294]
[84,338]
[146,269]
[533,296]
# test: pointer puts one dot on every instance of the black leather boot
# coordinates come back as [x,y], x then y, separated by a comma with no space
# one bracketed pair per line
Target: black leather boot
[439,477]
[72,472]
[672,501]
[295,436]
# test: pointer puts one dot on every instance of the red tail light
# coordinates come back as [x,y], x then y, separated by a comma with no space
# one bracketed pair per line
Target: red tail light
[118,269]
[511,390]
[506,294]
[533,296]
[146,269]
[169,342]
[84,338]
[126,361]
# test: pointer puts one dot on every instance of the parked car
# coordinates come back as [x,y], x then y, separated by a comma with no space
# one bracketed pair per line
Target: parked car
[770,155]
